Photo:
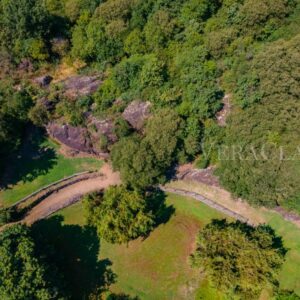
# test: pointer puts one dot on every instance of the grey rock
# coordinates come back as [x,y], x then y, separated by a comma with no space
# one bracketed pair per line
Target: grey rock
[74,137]
[43,81]
[78,86]
[136,113]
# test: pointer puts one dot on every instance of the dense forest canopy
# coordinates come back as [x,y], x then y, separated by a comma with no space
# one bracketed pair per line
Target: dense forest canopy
[180,56]
[143,83]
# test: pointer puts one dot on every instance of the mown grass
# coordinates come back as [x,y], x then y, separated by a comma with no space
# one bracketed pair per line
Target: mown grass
[290,274]
[39,165]
[157,267]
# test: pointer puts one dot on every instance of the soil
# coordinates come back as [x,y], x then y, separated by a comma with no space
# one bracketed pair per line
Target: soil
[225,111]
[62,198]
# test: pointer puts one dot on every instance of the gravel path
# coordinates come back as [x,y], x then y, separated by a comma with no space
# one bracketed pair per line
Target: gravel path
[72,194]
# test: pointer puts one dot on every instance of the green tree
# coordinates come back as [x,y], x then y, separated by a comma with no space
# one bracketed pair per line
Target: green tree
[159,29]
[22,274]
[162,133]
[120,215]
[136,163]
[239,259]
[134,43]
[286,295]
[21,21]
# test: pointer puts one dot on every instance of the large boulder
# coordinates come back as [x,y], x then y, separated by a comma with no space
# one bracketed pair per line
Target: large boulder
[101,127]
[89,139]
[136,113]
[78,86]
[76,138]
[43,81]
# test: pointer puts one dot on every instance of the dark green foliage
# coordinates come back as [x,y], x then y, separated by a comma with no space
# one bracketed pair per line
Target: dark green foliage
[136,162]
[271,75]
[119,215]
[22,274]
[39,115]
[122,128]
[286,295]
[24,25]
[144,161]
[162,134]
[264,137]
[6,215]
[14,109]
[261,157]
[120,297]
[239,259]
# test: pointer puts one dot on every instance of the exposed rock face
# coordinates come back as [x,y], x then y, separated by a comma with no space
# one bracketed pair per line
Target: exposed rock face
[78,86]
[136,113]
[82,139]
[49,105]
[225,111]
[43,81]
[98,128]
[25,65]
[74,137]
[205,176]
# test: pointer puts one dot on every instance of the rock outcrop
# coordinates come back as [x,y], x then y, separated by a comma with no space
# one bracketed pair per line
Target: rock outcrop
[136,113]
[101,127]
[78,86]
[225,111]
[76,138]
[43,81]
[87,140]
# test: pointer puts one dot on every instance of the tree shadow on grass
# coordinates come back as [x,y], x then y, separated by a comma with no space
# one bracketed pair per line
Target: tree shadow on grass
[157,204]
[74,250]
[30,161]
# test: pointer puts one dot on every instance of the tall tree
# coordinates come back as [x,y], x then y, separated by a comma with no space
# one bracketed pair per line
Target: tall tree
[120,215]
[239,259]
[22,274]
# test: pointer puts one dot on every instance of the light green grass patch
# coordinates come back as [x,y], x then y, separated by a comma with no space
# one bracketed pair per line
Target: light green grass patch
[290,274]
[43,169]
[157,267]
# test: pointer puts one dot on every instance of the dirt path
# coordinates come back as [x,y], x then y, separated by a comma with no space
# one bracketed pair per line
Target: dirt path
[68,195]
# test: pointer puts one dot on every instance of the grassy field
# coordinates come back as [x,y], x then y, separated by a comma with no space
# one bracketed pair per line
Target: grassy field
[39,164]
[290,233]
[157,267]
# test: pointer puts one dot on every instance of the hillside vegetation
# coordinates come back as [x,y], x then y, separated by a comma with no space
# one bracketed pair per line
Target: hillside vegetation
[182,57]
[150,85]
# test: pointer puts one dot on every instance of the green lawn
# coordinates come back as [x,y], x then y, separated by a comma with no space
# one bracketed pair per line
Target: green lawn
[290,233]
[39,165]
[157,268]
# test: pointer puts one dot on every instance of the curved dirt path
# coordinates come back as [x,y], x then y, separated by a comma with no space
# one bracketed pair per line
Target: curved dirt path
[62,198]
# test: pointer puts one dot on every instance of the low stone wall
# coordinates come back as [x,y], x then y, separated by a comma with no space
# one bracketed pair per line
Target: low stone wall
[23,207]
[209,203]
[54,208]
[47,187]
